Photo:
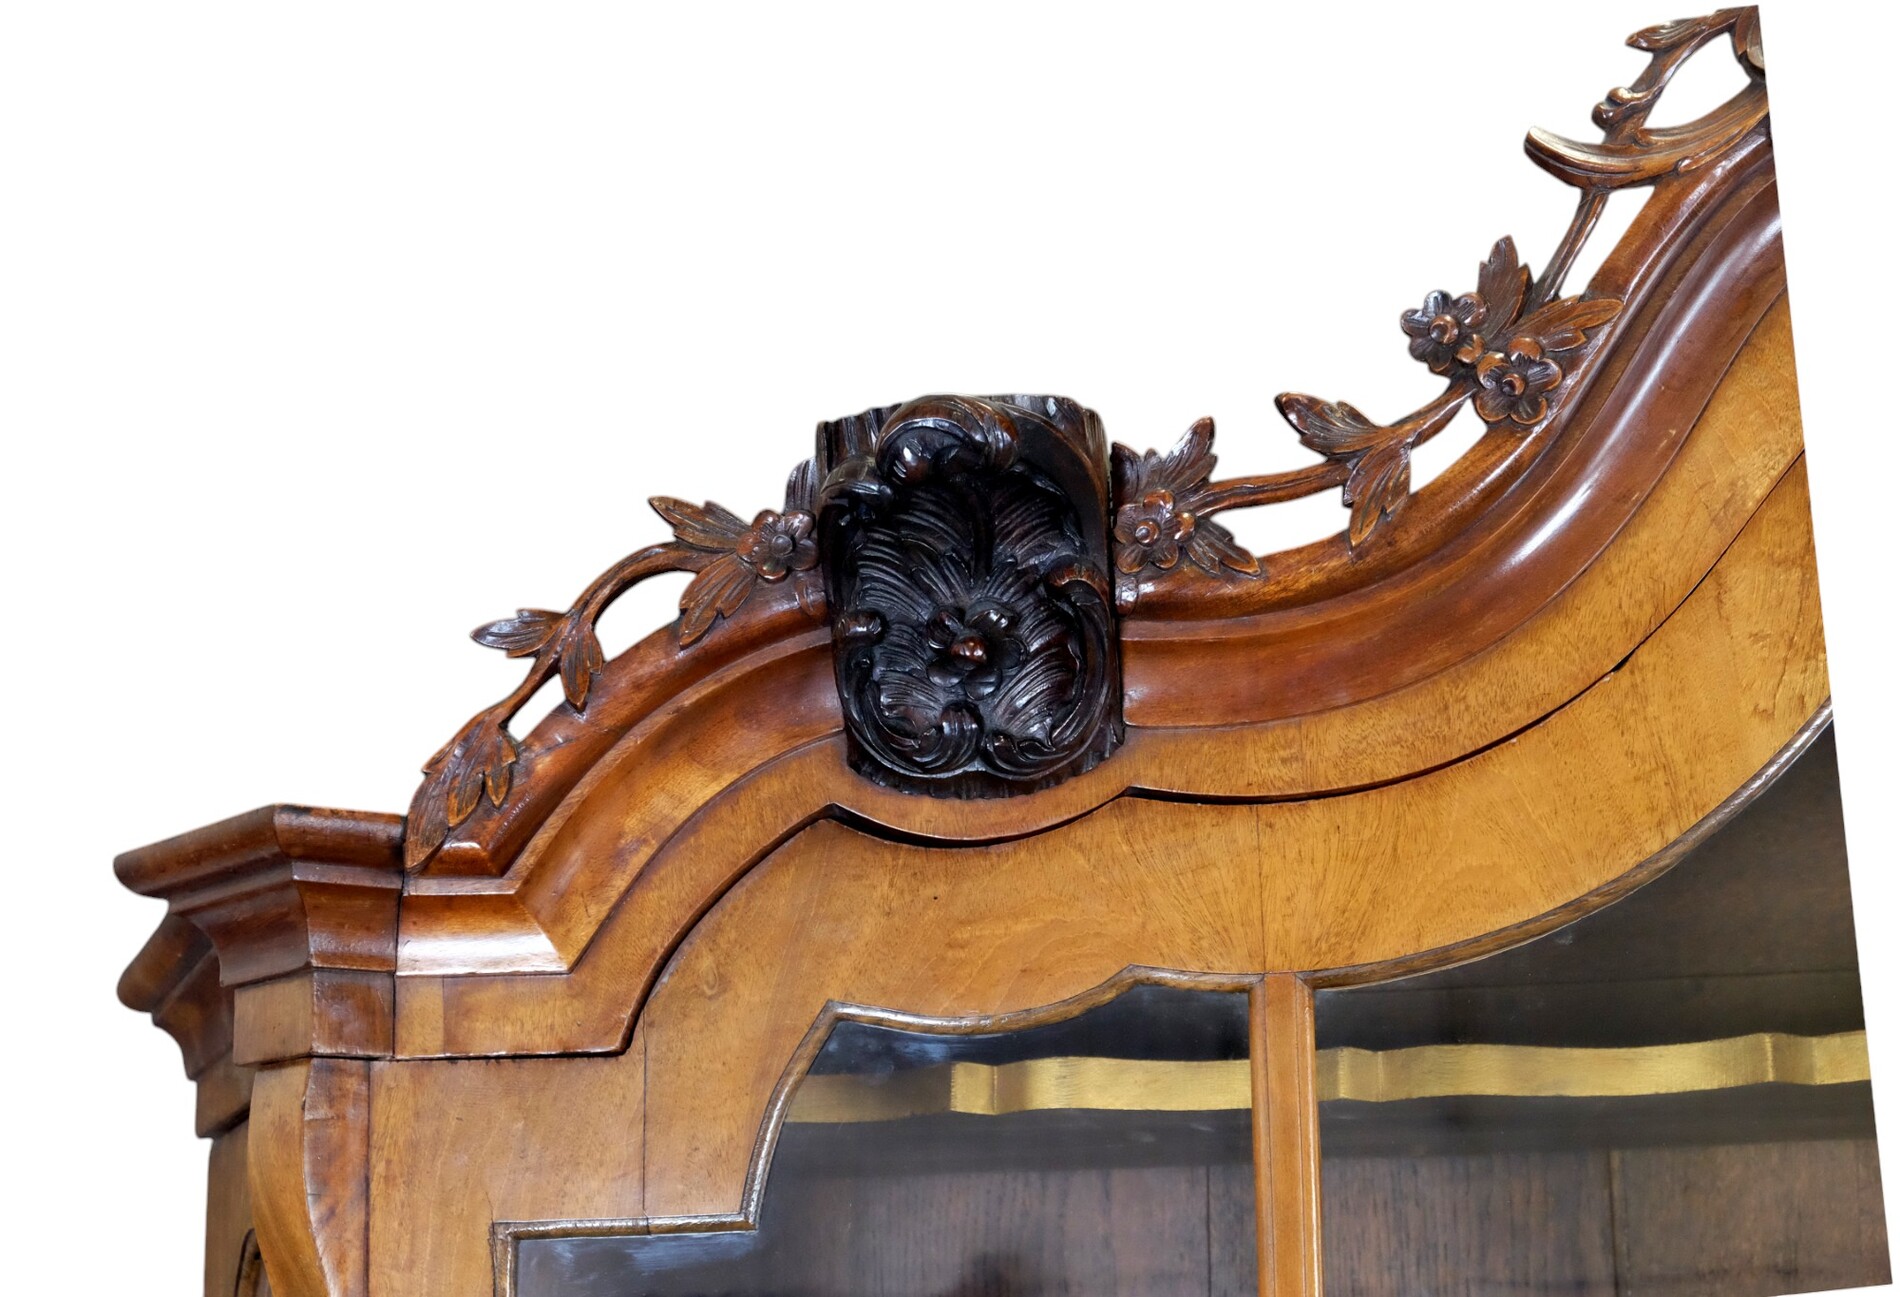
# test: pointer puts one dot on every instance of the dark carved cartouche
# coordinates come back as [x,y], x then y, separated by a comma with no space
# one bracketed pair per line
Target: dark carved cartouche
[965,553]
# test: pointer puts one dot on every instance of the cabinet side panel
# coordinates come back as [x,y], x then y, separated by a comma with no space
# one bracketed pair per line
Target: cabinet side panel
[227,1210]
[460,1144]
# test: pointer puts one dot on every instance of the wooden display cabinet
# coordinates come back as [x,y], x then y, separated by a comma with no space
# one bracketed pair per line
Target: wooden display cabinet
[998,880]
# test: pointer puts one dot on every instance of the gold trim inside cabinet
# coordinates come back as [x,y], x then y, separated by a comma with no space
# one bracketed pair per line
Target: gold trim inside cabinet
[1359,1075]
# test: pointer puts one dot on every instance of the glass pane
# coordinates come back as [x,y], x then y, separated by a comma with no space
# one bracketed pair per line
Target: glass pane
[1108,1153]
[1667,1098]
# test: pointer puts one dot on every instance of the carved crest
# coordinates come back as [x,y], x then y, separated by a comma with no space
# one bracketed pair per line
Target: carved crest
[965,558]
[961,547]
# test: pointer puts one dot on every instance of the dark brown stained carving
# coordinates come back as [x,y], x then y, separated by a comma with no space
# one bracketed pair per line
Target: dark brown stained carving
[729,557]
[965,550]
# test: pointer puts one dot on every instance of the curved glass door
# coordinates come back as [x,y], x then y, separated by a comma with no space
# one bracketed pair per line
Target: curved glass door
[1110,1153]
[1669,1097]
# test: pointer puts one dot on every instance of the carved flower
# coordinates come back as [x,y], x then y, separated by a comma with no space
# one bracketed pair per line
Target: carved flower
[1513,382]
[972,650]
[1151,530]
[1444,331]
[776,544]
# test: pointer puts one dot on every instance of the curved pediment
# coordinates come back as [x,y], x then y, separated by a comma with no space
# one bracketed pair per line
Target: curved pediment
[972,620]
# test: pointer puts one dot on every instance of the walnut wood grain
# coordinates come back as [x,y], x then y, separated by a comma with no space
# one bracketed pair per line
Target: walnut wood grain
[1485,1215]
[675,854]
[1497,845]
[1693,273]
[1481,710]
[728,558]
[1396,623]
[309,1176]
[260,904]
[1027,920]
[228,1213]
[1698,268]
[1666,1247]
[460,1145]
[1599,1222]
[1286,1138]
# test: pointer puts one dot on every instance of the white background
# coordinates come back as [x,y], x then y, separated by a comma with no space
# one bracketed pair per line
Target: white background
[332,331]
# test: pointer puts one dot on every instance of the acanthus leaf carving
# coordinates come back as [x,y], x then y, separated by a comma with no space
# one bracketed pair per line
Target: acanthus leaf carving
[1336,429]
[965,547]
[1494,345]
[735,556]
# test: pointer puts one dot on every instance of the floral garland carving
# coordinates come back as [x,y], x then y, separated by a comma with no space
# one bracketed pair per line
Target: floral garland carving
[1502,350]
[729,557]
[1164,500]
[1497,353]
[1507,346]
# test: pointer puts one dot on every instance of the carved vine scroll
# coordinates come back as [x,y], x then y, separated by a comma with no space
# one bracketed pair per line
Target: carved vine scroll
[1509,346]
[729,558]
[973,552]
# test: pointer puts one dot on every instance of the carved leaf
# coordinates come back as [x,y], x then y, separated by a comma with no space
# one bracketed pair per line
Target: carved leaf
[708,526]
[1189,464]
[1335,429]
[1032,699]
[801,488]
[1124,469]
[1502,283]
[1181,471]
[479,759]
[1381,482]
[427,825]
[1747,39]
[716,592]
[1562,325]
[1672,35]
[1212,547]
[520,635]
[855,480]
[580,659]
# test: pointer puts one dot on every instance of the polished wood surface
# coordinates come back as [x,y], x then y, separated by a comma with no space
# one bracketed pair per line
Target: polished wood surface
[460,1145]
[1286,1137]
[1573,807]
[229,1238]
[577,986]
[660,864]
[309,1175]
[1562,795]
